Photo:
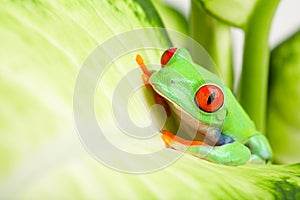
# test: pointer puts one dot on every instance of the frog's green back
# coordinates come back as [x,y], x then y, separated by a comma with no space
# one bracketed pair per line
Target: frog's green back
[237,123]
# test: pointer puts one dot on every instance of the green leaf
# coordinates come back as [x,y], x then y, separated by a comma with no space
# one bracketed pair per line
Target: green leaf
[172,19]
[233,12]
[215,37]
[284,100]
[253,85]
[43,45]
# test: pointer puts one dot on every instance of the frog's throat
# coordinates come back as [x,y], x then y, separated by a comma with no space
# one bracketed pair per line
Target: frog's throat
[194,129]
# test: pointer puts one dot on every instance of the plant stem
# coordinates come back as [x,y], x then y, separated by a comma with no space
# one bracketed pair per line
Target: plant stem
[254,77]
[215,38]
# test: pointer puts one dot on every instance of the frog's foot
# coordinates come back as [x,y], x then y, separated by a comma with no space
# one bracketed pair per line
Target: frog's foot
[175,142]
[146,79]
[255,159]
[146,73]
[161,101]
[260,149]
[234,153]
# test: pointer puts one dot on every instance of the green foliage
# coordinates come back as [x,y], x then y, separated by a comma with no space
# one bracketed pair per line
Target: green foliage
[233,12]
[215,37]
[284,100]
[172,19]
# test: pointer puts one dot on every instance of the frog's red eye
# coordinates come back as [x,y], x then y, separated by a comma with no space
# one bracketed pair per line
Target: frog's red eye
[167,55]
[209,98]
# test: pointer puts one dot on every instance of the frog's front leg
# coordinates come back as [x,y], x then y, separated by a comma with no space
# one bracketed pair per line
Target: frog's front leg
[260,149]
[234,153]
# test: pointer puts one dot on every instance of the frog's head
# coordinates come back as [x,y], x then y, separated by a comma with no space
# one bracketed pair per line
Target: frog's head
[193,88]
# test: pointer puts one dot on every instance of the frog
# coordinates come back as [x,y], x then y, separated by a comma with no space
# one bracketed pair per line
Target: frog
[212,124]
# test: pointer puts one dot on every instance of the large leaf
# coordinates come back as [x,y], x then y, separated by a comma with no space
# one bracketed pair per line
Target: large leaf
[43,45]
[171,18]
[284,100]
[234,12]
[215,37]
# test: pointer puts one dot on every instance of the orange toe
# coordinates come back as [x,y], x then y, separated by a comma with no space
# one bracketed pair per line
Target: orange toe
[169,138]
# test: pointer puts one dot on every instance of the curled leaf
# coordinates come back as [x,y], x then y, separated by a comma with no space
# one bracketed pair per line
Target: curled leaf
[233,12]
[284,100]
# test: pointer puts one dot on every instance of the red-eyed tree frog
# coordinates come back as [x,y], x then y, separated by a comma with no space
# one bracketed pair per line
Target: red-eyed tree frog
[213,124]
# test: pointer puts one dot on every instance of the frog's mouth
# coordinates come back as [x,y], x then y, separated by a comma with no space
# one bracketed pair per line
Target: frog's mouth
[170,139]
[195,132]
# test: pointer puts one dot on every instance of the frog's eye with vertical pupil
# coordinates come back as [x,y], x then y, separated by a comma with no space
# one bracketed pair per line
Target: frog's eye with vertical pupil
[209,98]
[167,55]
